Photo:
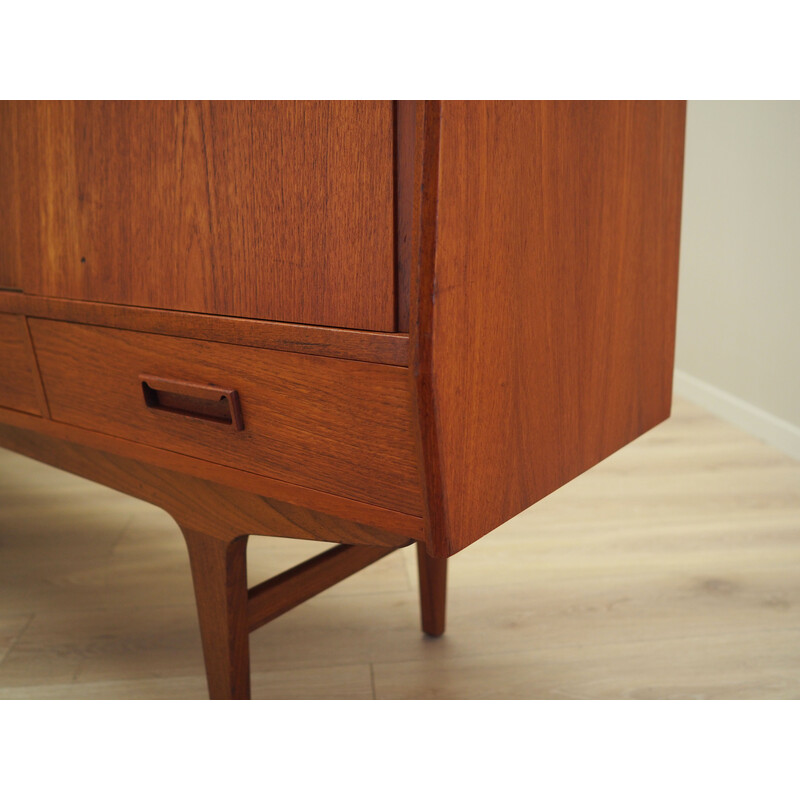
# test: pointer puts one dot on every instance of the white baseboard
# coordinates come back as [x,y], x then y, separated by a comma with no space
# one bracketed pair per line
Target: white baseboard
[761,424]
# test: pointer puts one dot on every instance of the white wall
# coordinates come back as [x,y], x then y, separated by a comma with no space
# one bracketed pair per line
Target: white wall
[738,344]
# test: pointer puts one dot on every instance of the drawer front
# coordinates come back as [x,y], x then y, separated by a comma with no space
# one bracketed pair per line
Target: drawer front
[18,378]
[330,424]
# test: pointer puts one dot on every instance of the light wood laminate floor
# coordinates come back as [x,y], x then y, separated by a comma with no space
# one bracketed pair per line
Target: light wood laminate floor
[671,570]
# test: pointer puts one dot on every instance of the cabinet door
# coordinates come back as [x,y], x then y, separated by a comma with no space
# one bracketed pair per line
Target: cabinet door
[270,210]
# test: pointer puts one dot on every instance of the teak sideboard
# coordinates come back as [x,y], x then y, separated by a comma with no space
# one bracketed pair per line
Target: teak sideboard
[369,323]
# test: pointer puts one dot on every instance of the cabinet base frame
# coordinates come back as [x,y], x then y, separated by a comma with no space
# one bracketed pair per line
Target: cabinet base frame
[216,521]
[228,611]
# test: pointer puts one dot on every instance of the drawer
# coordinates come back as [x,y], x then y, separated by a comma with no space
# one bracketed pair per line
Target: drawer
[18,380]
[335,425]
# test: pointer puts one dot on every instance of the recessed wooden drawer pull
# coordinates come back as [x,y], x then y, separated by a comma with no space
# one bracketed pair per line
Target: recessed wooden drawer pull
[196,400]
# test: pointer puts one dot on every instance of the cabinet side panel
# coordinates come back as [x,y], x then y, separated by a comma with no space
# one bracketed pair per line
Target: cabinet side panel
[551,320]
[269,210]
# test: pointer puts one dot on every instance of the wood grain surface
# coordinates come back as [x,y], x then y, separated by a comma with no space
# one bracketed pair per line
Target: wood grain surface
[408,174]
[19,379]
[219,575]
[270,210]
[10,222]
[381,348]
[338,426]
[543,334]
[274,597]
[287,494]
[432,591]
[197,504]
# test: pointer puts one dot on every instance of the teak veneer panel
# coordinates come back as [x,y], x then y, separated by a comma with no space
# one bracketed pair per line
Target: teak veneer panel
[283,493]
[270,210]
[544,327]
[205,506]
[10,224]
[342,427]
[18,375]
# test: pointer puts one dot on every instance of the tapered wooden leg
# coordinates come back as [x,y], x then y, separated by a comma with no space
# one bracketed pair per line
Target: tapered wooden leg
[219,572]
[432,591]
